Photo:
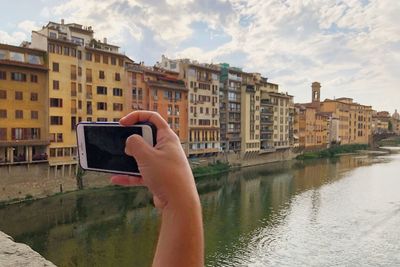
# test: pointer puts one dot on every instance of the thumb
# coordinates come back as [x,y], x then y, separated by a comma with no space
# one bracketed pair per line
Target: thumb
[137,147]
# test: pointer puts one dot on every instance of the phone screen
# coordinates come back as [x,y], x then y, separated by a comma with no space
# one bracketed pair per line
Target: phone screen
[105,148]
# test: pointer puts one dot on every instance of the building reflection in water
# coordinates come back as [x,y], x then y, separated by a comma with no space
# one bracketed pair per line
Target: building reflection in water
[118,227]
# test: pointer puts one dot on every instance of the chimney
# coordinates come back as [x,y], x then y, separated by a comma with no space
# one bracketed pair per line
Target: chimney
[105,40]
[62,21]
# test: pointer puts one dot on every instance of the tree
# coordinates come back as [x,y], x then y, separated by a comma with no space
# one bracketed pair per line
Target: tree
[79,178]
[390,126]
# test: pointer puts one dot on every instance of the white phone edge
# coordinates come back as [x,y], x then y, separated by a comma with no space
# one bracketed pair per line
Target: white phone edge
[147,135]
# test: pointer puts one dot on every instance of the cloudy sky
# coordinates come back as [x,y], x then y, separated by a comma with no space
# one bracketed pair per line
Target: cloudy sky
[352,47]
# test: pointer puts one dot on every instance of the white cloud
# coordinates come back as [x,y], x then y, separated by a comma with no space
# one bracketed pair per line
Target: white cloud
[352,47]
[14,38]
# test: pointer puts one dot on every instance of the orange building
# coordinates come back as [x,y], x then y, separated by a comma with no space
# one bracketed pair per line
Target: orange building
[161,91]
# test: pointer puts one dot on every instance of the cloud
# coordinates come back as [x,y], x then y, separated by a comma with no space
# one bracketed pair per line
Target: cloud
[14,38]
[352,47]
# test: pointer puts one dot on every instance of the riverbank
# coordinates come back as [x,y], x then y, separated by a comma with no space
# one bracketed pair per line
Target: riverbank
[333,151]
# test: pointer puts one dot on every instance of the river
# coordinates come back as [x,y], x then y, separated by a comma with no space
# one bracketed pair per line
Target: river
[330,212]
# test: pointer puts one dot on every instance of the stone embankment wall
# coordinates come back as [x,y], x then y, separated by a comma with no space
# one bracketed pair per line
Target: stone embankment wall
[39,180]
[14,254]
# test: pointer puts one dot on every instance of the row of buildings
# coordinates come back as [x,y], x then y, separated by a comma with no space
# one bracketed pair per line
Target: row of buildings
[64,76]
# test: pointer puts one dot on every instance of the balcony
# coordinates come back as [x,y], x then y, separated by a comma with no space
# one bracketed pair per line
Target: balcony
[234,120]
[234,130]
[234,110]
[89,111]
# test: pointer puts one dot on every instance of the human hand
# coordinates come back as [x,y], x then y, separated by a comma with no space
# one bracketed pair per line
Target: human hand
[164,168]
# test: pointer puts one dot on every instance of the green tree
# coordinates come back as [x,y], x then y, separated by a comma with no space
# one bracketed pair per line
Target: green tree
[79,178]
[390,126]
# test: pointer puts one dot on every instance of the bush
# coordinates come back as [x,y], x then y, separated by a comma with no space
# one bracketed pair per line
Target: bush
[332,151]
[211,169]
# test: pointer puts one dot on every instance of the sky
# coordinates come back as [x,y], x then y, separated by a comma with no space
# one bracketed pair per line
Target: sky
[351,47]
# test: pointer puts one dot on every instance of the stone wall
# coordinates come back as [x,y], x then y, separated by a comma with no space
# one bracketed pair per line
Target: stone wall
[16,254]
[41,180]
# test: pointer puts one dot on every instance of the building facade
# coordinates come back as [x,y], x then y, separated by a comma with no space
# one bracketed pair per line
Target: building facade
[202,81]
[87,82]
[229,107]
[23,105]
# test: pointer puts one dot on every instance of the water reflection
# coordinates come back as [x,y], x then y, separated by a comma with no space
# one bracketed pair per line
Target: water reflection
[251,216]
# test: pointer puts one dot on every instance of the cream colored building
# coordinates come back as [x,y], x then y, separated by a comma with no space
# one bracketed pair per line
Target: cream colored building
[250,113]
[202,80]
[87,82]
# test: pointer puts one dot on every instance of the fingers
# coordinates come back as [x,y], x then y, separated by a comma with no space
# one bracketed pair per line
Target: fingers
[126,180]
[138,148]
[138,116]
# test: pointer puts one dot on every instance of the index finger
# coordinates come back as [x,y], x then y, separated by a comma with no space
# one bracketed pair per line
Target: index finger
[140,116]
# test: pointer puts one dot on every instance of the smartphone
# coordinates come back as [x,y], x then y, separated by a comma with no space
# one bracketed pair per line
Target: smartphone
[101,146]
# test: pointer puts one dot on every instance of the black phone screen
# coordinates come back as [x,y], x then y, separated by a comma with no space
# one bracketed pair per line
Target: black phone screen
[105,148]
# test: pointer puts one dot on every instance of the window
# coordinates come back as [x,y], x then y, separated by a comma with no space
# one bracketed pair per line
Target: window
[88,56]
[51,48]
[79,71]
[18,76]
[3,113]
[59,152]
[60,137]
[117,76]
[113,61]
[101,74]
[88,75]
[56,102]
[79,54]
[3,54]
[34,78]
[96,58]
[25,133]
[52,35]
[34,114]
[117,92]
[73,72]
[120,62]
[3,75]
[105,59]
[66,51]
[73,89]
[101,119]
[101,90]
[18,95]
[56,120]
[117,107]
[34,96]
[56,85]
[56,67]
[73,52]
[19,114]
[3,94]
[15,56]
[73,123]
[3,133]
[52,152]
[101,106]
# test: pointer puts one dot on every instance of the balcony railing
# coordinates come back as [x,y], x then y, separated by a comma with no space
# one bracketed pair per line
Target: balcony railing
[89,95]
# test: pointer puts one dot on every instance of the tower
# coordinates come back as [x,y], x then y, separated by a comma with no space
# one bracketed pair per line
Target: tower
[316,92]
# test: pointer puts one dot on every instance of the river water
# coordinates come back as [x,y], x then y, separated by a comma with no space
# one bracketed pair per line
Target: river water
[336,212]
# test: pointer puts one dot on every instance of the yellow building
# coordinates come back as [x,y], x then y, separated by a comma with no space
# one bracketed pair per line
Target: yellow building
[23,105]
[354,119]
[87,82]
